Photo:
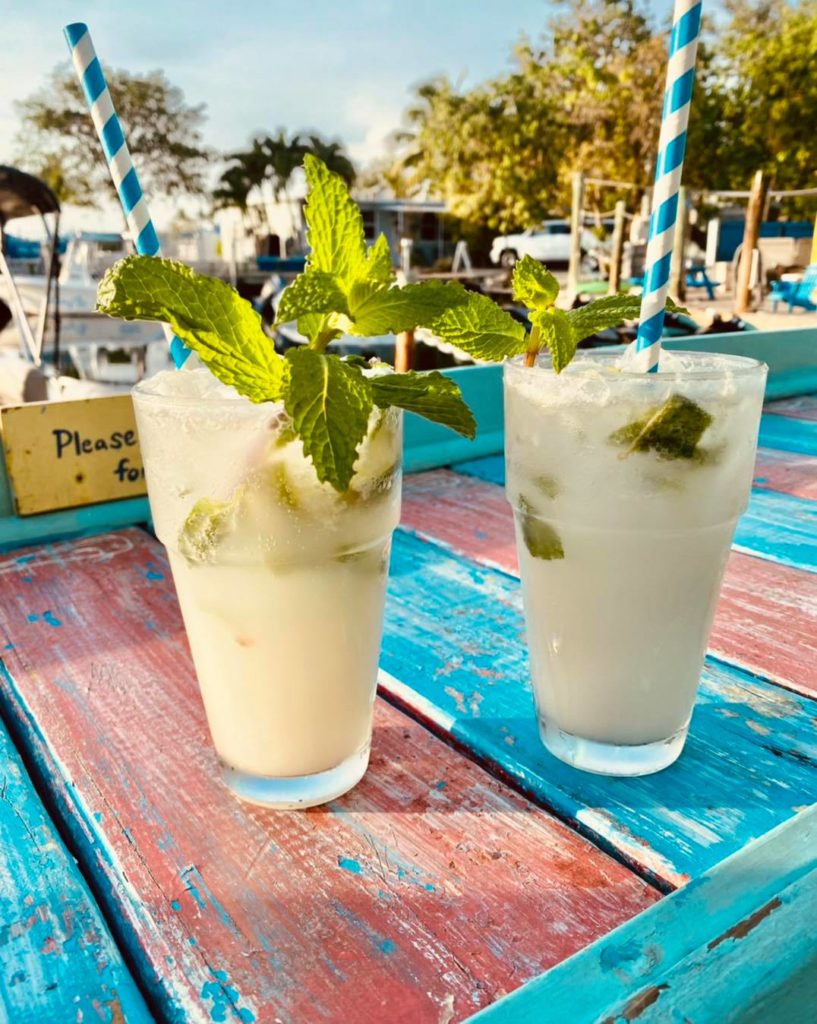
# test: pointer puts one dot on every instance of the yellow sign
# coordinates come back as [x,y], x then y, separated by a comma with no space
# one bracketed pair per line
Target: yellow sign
[64,454]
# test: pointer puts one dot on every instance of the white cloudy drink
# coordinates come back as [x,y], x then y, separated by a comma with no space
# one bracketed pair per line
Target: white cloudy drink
[281,581]
[626,489]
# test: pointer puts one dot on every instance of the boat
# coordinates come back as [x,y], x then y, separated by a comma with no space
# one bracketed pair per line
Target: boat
[59,304]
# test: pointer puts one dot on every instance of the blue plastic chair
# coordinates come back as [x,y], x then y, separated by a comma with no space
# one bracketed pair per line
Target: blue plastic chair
[796,293]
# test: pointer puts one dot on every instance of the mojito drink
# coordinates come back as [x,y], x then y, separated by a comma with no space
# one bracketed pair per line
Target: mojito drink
[626,488]
[281,581]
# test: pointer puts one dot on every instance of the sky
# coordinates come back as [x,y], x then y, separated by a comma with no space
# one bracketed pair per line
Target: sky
[343,67]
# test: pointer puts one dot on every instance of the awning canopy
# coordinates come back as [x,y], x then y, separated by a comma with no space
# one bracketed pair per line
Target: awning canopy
[22,195]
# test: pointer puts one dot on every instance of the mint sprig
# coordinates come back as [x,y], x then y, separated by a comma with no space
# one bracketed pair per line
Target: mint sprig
[481,328]
[346,288]
[485,331]
[430,395]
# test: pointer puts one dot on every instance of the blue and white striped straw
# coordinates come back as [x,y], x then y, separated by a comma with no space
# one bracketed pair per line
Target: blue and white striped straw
[92,79]
[686,29]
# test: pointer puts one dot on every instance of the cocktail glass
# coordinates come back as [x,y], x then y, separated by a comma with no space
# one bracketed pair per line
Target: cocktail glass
[281,581]
[626,488]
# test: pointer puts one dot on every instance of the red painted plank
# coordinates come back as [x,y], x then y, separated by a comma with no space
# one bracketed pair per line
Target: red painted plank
[788,472]
[423,895]
[802,408]
[765,620]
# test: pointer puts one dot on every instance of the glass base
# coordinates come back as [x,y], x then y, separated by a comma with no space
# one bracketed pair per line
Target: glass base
[612,758]
[294,792]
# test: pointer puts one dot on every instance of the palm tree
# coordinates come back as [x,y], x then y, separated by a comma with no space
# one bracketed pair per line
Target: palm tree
[247,170]
[332,155]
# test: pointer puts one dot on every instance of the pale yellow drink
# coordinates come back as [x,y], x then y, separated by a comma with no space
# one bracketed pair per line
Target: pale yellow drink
[281,581]
[623,543]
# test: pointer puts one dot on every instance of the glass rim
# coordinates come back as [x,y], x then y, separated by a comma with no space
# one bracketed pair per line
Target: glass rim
[240,403]
[735,365]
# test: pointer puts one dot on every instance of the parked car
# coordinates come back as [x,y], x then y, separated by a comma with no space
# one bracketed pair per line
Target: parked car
[549,243]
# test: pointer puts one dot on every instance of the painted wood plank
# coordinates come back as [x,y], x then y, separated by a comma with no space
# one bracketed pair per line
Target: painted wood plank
[58,961]
[454,636]
[775,526]
[428,445]
[766,621]
[791,435]
[790,354]
[802,408]
[781,528]
[733,947]
[423,895]
[787,472]
[16,531]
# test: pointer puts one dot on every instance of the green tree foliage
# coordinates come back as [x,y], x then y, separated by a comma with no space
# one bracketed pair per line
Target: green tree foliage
[768,82]
[588,97]
[58,140]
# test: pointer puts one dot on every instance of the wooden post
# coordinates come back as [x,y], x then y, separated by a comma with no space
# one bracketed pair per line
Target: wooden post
[574,267]
[618,248]
[404,352]
[677,272]
[754,211]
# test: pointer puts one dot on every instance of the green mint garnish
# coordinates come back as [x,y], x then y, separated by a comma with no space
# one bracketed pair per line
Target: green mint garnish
[547,485]
[541,540]
[672,430]
[533,284]
[479,327]
[345,288]
[430,394]
[207,523]
[329,402]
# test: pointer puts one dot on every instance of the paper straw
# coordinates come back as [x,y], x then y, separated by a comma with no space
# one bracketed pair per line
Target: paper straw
[686,28]
[92,79]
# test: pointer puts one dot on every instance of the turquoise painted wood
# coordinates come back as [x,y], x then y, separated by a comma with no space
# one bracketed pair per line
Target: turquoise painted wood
[735,946]
[454,652]
[428,445]
[58,961]
[790,355]
[430,887]
[17,531]
[775,526]
[790,435]
[780,528]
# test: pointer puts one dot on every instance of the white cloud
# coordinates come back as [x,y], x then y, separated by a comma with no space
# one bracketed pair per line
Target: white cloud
[370,121]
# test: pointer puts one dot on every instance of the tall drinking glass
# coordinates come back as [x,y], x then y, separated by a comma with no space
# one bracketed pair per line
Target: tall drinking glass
[281,581]
[626,488]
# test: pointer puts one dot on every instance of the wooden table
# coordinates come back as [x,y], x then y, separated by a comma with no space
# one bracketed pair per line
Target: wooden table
[469,863]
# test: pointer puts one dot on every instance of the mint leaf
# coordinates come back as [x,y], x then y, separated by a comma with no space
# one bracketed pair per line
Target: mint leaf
[314,291]
[533,284]
[392,310]
[207,314]
[329,402]
[610,311]
[334,224]
[672,430]
[541,539]
[206,525]
[557,333]
[431,395]
[318,328]
[479,327]
[378,261]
